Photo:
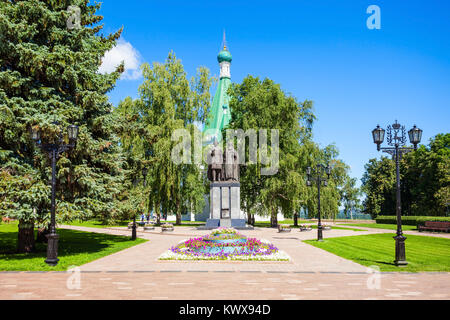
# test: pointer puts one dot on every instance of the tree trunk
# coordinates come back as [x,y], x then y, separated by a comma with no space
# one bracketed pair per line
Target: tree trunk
[253,219]
[41,235]
[158,215]
[249,218]
[25,241]
[296,219]
[273,219]
[178,219]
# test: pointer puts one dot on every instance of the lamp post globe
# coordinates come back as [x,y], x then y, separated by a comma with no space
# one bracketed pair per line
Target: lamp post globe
[35,134]
[415,136]
[378,136]
[72,130]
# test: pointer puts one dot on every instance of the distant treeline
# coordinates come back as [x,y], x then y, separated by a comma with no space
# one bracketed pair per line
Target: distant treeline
[425,182]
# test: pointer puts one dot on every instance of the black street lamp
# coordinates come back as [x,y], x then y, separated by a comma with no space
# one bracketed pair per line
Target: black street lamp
[134,227]
[54,150]
[397,142]
[317,175]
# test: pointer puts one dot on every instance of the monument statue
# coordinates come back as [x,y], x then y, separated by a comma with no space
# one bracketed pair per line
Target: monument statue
[231,163]
[215,163]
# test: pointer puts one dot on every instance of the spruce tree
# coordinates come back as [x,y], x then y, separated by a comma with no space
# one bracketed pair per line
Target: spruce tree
[49,60]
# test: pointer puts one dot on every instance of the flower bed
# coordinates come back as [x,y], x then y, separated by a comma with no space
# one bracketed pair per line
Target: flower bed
[149,227]
[305,228]
[225,245]
[167,227]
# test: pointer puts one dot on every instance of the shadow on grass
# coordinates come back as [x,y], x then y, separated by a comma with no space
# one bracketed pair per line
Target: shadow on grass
[71,242]
[372,262]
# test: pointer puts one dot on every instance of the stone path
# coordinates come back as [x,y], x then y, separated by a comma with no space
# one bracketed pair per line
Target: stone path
[304,257]
[217,285]
[135,273]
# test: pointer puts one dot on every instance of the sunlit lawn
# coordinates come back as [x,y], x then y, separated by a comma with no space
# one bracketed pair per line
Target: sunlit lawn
[339,228]
[423,253]
[75,248]
[266,224]
[96,224]
[381,226]
[100,224]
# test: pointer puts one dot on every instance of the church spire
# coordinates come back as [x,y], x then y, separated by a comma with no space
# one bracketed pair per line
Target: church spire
[220,114]
[224,41]
[224,59]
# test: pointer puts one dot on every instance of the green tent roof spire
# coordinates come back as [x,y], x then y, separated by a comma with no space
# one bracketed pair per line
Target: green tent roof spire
[220,113]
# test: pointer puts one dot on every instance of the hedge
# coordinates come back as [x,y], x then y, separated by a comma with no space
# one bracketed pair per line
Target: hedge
[409,220]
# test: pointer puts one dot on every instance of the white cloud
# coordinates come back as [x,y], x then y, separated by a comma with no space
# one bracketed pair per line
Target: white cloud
[123,51]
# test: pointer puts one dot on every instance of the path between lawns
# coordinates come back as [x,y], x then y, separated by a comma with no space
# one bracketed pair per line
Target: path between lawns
[411,232]
[144,257]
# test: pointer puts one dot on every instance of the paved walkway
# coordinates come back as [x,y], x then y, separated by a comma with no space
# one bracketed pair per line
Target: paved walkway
[135,273]
[144,257]
[217,285]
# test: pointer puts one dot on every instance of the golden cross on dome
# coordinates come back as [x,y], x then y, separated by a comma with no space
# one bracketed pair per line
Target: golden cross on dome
[224,41]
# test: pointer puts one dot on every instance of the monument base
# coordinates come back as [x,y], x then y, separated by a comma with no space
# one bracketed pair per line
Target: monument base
[239,224]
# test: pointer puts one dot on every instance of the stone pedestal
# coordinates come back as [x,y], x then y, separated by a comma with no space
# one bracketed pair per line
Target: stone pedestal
[225,209]
[225,198]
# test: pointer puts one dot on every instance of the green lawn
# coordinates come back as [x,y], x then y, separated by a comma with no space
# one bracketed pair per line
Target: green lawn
[422,252]
[75,248]
[100,224]
[338,228]
[186,223]
[381,226]
[266,224]
[96,224]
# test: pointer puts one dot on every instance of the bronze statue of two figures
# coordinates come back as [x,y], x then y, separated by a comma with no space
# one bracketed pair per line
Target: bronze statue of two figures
[223,166]
[224,198]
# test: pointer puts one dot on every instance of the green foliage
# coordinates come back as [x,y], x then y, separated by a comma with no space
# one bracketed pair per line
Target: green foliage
[425,181]
[168,101]
[50,73]
[75,249]
[261,104]
[350,197]
[409,220]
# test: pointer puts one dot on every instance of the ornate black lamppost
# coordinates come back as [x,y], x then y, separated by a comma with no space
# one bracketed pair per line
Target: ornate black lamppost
[396,138]
[54,150]
[317,175]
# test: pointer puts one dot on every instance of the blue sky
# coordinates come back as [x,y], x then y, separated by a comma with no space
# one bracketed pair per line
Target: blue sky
[318,50]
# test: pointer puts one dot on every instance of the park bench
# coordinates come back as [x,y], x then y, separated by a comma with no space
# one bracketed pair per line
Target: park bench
[435,226]
[7,220]
[304,228]
[284,228]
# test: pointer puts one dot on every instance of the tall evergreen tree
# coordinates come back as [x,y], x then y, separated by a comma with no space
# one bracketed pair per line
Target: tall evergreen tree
[49,61]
